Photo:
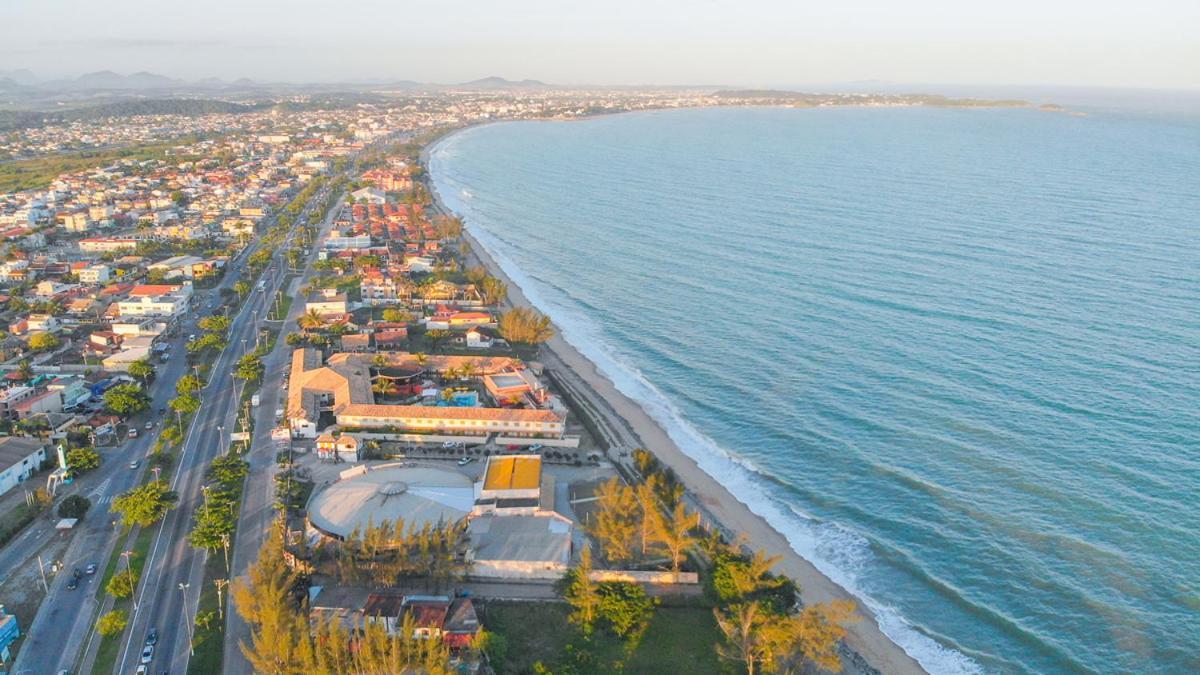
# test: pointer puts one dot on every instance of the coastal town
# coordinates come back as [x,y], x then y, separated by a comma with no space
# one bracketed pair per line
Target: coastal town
[267,406]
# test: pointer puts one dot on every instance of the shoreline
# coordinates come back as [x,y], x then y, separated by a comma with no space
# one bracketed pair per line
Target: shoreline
[865,638]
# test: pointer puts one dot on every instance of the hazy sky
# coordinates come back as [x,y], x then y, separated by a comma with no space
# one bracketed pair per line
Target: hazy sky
[1146,43]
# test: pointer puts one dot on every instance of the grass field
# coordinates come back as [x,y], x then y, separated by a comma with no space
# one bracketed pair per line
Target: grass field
[32,174]
[679,640]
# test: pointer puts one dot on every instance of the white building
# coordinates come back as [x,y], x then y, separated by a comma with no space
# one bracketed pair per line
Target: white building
[94,274]
[19,458]
[156,300]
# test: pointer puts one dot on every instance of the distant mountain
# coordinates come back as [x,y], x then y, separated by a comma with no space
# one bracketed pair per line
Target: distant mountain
[20,76]
[107,79]
[13,120]
[9,85]
[501,83]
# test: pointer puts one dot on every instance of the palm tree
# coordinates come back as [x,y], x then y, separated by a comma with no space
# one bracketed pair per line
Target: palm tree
[675,534]
[311,320]
[742,625]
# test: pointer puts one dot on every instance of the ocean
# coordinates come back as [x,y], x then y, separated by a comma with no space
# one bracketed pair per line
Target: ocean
[953,355]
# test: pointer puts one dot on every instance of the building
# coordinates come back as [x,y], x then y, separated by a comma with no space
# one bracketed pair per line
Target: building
[534,546]
[511,485]
[370,195]
[164,300]
[325,303]
[362,495]
[342,388]
[345,240]
[185,266]
[94,274]
[108,244]
[19,458]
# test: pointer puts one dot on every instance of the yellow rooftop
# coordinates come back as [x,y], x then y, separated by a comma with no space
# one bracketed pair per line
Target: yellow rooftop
[513,472]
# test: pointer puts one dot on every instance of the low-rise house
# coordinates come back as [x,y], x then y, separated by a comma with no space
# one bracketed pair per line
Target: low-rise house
[19,458]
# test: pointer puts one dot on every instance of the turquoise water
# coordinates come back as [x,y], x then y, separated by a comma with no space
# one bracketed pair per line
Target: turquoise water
[953,355]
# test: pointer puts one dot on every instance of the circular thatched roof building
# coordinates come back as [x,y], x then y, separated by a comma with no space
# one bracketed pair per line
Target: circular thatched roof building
[415,494]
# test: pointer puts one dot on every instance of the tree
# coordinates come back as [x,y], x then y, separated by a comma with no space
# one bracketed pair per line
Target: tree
[476,275]
[579,591]
[812,636]
[74,506]
[745,642]
[393,315]
[25,370]
[185,404]
[142,369]
[82,460]
[675,533]
[624,607]
[217,323]
[113,623]
[264,600]
[241,288]
[122,584]
[311,320]
[493,291]
[145,504]
[259,258]
[126,399]
[188,384]
[249,368]
[524,325]
[436,337]
[44,342]
[206,342]
[615,523]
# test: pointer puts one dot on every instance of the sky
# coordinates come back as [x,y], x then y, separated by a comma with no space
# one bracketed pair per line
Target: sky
[1143,43]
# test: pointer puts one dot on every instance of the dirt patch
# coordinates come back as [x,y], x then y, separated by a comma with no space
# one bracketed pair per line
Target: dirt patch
[22,592]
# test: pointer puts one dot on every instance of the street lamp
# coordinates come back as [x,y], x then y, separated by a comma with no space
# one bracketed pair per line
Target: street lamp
[183,591]
[126,555]
[157,470]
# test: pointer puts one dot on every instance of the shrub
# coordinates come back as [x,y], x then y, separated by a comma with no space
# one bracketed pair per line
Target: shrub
[74,507]
[112,623]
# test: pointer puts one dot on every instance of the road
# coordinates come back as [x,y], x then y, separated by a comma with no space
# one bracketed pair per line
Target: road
[70,613]
[174,570]
[257,510]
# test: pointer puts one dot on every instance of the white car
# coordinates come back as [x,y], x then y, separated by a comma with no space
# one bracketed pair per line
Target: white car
[147,653]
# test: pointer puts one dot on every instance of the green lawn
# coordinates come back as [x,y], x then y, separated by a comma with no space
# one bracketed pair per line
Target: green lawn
[679,640]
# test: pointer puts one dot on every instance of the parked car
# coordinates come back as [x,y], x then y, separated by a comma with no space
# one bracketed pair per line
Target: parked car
[72,584]
[147,653]
[91,568]
[132,433]
[536,447]
[134,464]
[150,424]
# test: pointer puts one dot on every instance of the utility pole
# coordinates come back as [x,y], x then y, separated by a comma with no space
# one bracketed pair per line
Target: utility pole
[191,639]
[126,555]
[42,569]
[221,584]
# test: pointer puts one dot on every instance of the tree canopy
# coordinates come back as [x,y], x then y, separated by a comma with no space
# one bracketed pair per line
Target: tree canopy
[126,399]
[145,504]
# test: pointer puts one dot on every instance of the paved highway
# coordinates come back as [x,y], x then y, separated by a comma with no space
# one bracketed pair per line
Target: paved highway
[257,511]
[174,570]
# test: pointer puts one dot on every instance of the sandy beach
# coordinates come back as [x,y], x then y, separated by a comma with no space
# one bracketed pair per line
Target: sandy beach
[633,427]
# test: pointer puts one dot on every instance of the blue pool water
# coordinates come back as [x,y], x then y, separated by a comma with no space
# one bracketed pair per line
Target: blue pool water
[953,355]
